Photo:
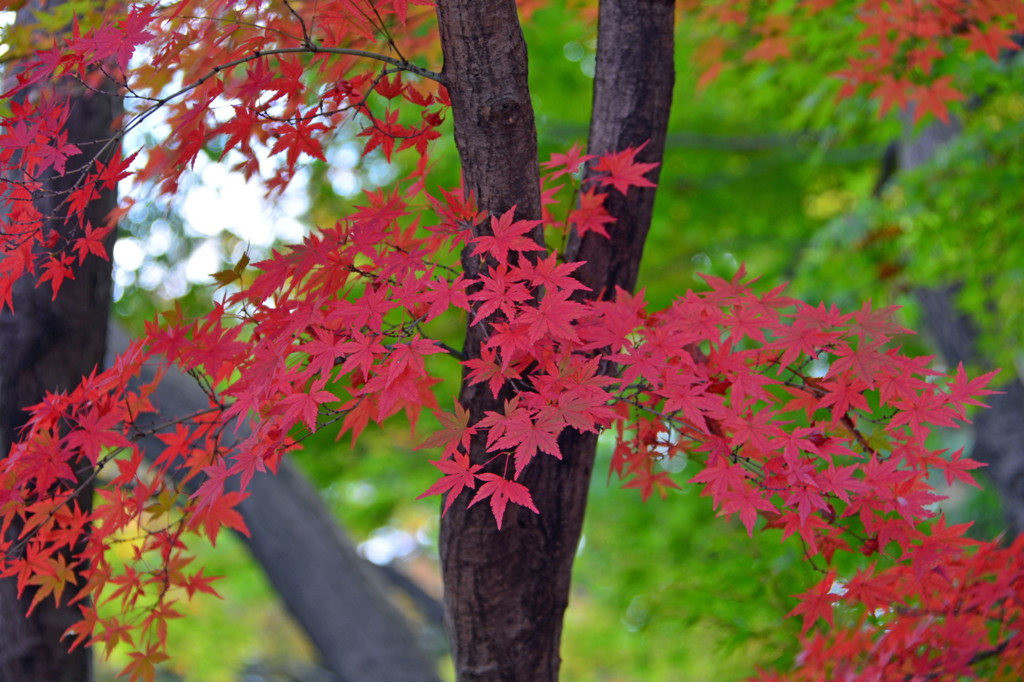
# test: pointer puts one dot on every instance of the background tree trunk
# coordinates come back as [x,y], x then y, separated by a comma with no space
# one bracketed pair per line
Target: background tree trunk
[506,591]
[48,345]
[998,430]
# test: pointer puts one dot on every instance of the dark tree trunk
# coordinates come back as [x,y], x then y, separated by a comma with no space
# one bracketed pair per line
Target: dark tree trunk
[506,591]
[337,598]
[632,98]
[497,630]
[485,73]
[48,345]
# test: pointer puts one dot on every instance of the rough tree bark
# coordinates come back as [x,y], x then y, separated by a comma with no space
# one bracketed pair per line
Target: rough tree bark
[335,596]
[48,345]
[506,591]
[633,83]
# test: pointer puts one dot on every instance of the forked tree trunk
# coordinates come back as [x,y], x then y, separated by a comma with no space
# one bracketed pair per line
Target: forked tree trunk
[506,591]
[48,345]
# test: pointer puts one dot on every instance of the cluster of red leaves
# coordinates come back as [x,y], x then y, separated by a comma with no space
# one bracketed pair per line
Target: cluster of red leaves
[902,46]
[259,79]
[804,419]
[61,546]
[810,420]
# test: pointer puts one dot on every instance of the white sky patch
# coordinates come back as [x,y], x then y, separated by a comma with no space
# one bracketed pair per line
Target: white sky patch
[676,462]
[217,205]
[341,173]
[153,276]
[223,201]
[203,262]
[387,544]
[213,202]
[129,254]
[160,238]
[819,366]
[6,19]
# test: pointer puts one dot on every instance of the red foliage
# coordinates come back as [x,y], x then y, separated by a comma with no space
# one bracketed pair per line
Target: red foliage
[899,49]
[804,419]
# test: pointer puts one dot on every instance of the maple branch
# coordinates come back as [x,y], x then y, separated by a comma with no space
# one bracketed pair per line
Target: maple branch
[241,22]
[385,30]
[976,658]
[450,350]
[94,471]
[310,47]
[313,47]
[680,424]
[847,421]
[302,22]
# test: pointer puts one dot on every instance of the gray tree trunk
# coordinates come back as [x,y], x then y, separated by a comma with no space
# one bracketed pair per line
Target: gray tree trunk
[336,597]
[998,430]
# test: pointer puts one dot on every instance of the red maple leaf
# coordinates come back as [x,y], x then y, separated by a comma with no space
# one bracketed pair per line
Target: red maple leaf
[722,477]
[934,97]
[648,481]
[567,163]
[991,40]
[957,466]
[502,491]
[56,269]
[591,215]
[221,513]
[746,500]
[507,235]
[458,474]
[548,272]
[455,432]
[500,290]
[299,139]
[92,243]
[891,92]
[816,602]
[967,392]
[486,368]
[52,575]
[623,169]
[527,435]
[55,154]
[553,318]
